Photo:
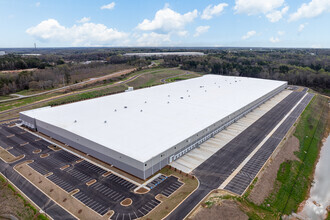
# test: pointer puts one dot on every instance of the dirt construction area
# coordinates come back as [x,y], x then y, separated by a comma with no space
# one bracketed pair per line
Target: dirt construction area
[12,205]
[267,177]
[226,209]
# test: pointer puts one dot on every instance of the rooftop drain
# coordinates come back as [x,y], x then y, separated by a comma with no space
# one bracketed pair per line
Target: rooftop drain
[115,110]
[145,101]
[141,110]
[125,106]
[75,121]
[168,102]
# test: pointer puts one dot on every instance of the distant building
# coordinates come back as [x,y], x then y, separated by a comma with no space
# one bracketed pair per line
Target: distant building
[2,53]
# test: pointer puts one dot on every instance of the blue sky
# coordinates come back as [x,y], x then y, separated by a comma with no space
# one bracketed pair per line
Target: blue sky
[247,23]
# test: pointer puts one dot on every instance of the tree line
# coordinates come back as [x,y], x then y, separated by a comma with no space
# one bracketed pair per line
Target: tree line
[305,69]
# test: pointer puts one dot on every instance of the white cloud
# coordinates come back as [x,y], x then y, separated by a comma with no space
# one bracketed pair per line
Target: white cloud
[201,29]
[84,20]
[270,8]
[109,6]
[274,39]
[280,33]
[302,27]
[248,35]
[311,9]
[152,39]
[252,7]
[86,34]
[37,4]
[182,33]
[275,16]
[211,10]
[166,20]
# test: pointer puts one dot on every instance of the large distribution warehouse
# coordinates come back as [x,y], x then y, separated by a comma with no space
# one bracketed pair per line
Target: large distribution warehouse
[142,131]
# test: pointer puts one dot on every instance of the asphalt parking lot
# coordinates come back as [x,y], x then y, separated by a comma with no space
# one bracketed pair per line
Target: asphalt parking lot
[243,179]
[68,172]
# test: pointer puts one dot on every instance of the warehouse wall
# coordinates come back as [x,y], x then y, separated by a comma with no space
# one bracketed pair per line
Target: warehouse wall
[100,152]
[28,121]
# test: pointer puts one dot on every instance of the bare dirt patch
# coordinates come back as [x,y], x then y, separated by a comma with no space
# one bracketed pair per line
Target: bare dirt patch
[91,182]
[54,148]
[80,160]
[36,151]
[227,209]
[8,157]
[44,155]
[141,190]
[267,177]
[11,204]
[126,202]
[106,174]
[64,167]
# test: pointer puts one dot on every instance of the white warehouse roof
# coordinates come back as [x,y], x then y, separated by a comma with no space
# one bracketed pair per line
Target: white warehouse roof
[146,122]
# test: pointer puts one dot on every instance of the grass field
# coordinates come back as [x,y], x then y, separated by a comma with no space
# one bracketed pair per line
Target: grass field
[147,78]
[295,177]
[6,97]
[22,102]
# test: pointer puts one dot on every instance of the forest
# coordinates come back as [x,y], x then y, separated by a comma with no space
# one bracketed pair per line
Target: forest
[52,68]
[51,71]
[298,67]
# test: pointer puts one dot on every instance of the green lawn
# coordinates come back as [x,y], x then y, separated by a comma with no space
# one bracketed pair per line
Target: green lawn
[295,177]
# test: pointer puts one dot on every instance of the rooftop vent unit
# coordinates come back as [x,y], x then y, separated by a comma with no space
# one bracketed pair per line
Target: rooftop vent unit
[105,122]
[125,106]
[75,121]
[115,110]
[181,97]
